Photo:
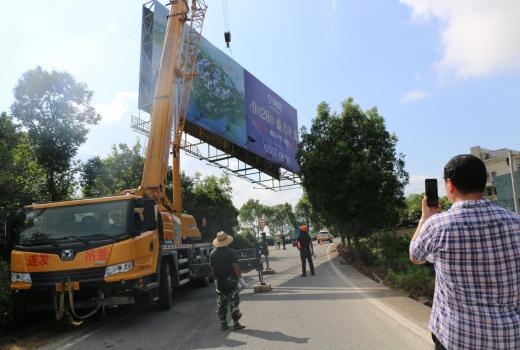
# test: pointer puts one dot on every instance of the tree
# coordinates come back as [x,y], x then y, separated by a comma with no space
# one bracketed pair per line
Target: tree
[413,211]
[251,213]
[247,233]
[120,170]
[281,219]
[305,213]
[55,110]
[350,170]
[20,176]
[210,202]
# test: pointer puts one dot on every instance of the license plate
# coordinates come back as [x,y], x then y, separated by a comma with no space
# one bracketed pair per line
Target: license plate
[74,285]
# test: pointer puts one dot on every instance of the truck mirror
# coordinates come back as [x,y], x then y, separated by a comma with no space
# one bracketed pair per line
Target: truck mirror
[150,214]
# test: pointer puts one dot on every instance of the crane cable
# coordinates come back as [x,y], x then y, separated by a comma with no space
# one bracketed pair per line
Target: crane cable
[227,32]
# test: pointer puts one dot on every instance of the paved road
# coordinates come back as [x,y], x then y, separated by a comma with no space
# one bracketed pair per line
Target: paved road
[336,309]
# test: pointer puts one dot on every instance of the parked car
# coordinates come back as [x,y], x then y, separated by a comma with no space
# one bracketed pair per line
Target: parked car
[324,236]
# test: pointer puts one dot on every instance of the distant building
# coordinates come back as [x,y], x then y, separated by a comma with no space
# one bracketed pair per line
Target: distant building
[498,187]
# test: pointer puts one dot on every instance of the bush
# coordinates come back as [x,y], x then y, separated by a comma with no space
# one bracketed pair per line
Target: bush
[240,242]
[417,281]
[363,252]
[6,299]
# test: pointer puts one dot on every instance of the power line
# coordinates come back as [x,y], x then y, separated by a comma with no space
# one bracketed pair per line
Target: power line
[109,53]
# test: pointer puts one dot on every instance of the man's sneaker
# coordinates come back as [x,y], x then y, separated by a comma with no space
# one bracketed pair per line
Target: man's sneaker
[224,326]
[237,326]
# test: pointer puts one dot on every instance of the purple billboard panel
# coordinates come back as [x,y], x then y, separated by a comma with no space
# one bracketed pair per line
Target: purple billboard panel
[271,124]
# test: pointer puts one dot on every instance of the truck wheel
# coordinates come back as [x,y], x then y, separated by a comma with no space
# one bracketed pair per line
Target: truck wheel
[165,287]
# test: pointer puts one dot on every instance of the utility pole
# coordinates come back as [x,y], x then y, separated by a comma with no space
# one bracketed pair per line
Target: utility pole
[513,180]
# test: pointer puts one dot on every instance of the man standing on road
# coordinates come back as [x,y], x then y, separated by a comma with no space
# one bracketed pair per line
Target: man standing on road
[304,244]
[476,250]
[226,272]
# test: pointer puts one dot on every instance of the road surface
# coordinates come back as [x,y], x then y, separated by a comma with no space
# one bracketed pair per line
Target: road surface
[336,309]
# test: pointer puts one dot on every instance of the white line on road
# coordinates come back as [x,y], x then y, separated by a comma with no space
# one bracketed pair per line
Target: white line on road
[83,337]
[388,311]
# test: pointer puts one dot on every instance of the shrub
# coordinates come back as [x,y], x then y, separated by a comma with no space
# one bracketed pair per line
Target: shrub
[240,242]
[363,252]
[417,281]
[6,300]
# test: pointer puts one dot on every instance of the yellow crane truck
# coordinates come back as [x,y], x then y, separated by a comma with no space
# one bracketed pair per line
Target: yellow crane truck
[100,252]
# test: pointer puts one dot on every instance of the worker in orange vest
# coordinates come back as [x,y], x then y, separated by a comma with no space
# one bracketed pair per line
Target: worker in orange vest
[304,244]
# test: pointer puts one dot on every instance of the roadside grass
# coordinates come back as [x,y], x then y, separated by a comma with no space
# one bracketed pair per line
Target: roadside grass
[384,257]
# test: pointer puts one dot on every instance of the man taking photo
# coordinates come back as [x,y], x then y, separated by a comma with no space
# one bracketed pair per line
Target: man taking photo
[476,250]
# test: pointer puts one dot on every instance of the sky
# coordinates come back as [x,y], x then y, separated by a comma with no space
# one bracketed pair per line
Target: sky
[443,73]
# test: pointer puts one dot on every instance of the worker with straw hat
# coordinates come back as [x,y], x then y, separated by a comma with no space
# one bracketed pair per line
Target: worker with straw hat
[226,272]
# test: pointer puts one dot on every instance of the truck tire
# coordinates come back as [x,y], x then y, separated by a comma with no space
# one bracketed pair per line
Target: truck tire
[165,287]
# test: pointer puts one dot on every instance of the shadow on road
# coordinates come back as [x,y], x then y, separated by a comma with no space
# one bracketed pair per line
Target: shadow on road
[274,336]
[221,339]
[216,341]
[325,285]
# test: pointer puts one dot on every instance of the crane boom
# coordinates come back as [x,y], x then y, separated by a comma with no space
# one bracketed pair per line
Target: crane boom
[178,63]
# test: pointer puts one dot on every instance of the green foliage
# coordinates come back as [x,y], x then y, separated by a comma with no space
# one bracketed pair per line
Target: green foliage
[120,170]
[350,170]
[21,178]
[388,253]
[249,235]
[304,212]
[55,110]
[6,298]
[363,252]
[413,210]
[240,242]
[251,213]
[281,219]
[416,280]
[210,199]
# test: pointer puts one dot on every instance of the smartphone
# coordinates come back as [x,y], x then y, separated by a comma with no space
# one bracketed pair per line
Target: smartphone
[432,195]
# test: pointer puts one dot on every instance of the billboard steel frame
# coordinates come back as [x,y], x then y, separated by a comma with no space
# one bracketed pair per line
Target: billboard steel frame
[232,160]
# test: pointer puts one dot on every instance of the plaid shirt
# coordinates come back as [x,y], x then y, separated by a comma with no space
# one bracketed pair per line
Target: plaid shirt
[476,251]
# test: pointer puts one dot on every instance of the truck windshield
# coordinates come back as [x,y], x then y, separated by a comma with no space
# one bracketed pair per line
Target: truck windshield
[81,222]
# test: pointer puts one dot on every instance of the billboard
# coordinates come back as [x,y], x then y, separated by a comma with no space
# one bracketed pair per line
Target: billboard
[226,100]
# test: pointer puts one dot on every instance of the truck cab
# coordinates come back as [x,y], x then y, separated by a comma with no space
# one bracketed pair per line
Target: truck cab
[109,242]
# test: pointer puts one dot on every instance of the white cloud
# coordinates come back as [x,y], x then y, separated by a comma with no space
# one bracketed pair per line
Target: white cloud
[479,37]
[114,110]
[413,96]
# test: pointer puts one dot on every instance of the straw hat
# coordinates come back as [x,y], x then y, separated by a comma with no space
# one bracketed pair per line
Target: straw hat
[222,240]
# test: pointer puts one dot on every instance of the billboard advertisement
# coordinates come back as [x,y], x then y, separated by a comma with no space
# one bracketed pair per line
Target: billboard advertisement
[226,99]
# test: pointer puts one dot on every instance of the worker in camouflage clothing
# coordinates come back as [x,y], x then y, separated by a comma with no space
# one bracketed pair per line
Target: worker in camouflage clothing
[226,272]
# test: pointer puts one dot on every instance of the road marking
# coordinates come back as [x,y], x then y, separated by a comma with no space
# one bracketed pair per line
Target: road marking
[388,311]
[88,334]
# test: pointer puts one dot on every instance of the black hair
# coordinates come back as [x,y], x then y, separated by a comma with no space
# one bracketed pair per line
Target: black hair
[467,172]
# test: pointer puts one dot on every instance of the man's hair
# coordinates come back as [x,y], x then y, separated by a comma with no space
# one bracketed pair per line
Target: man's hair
[467,172]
